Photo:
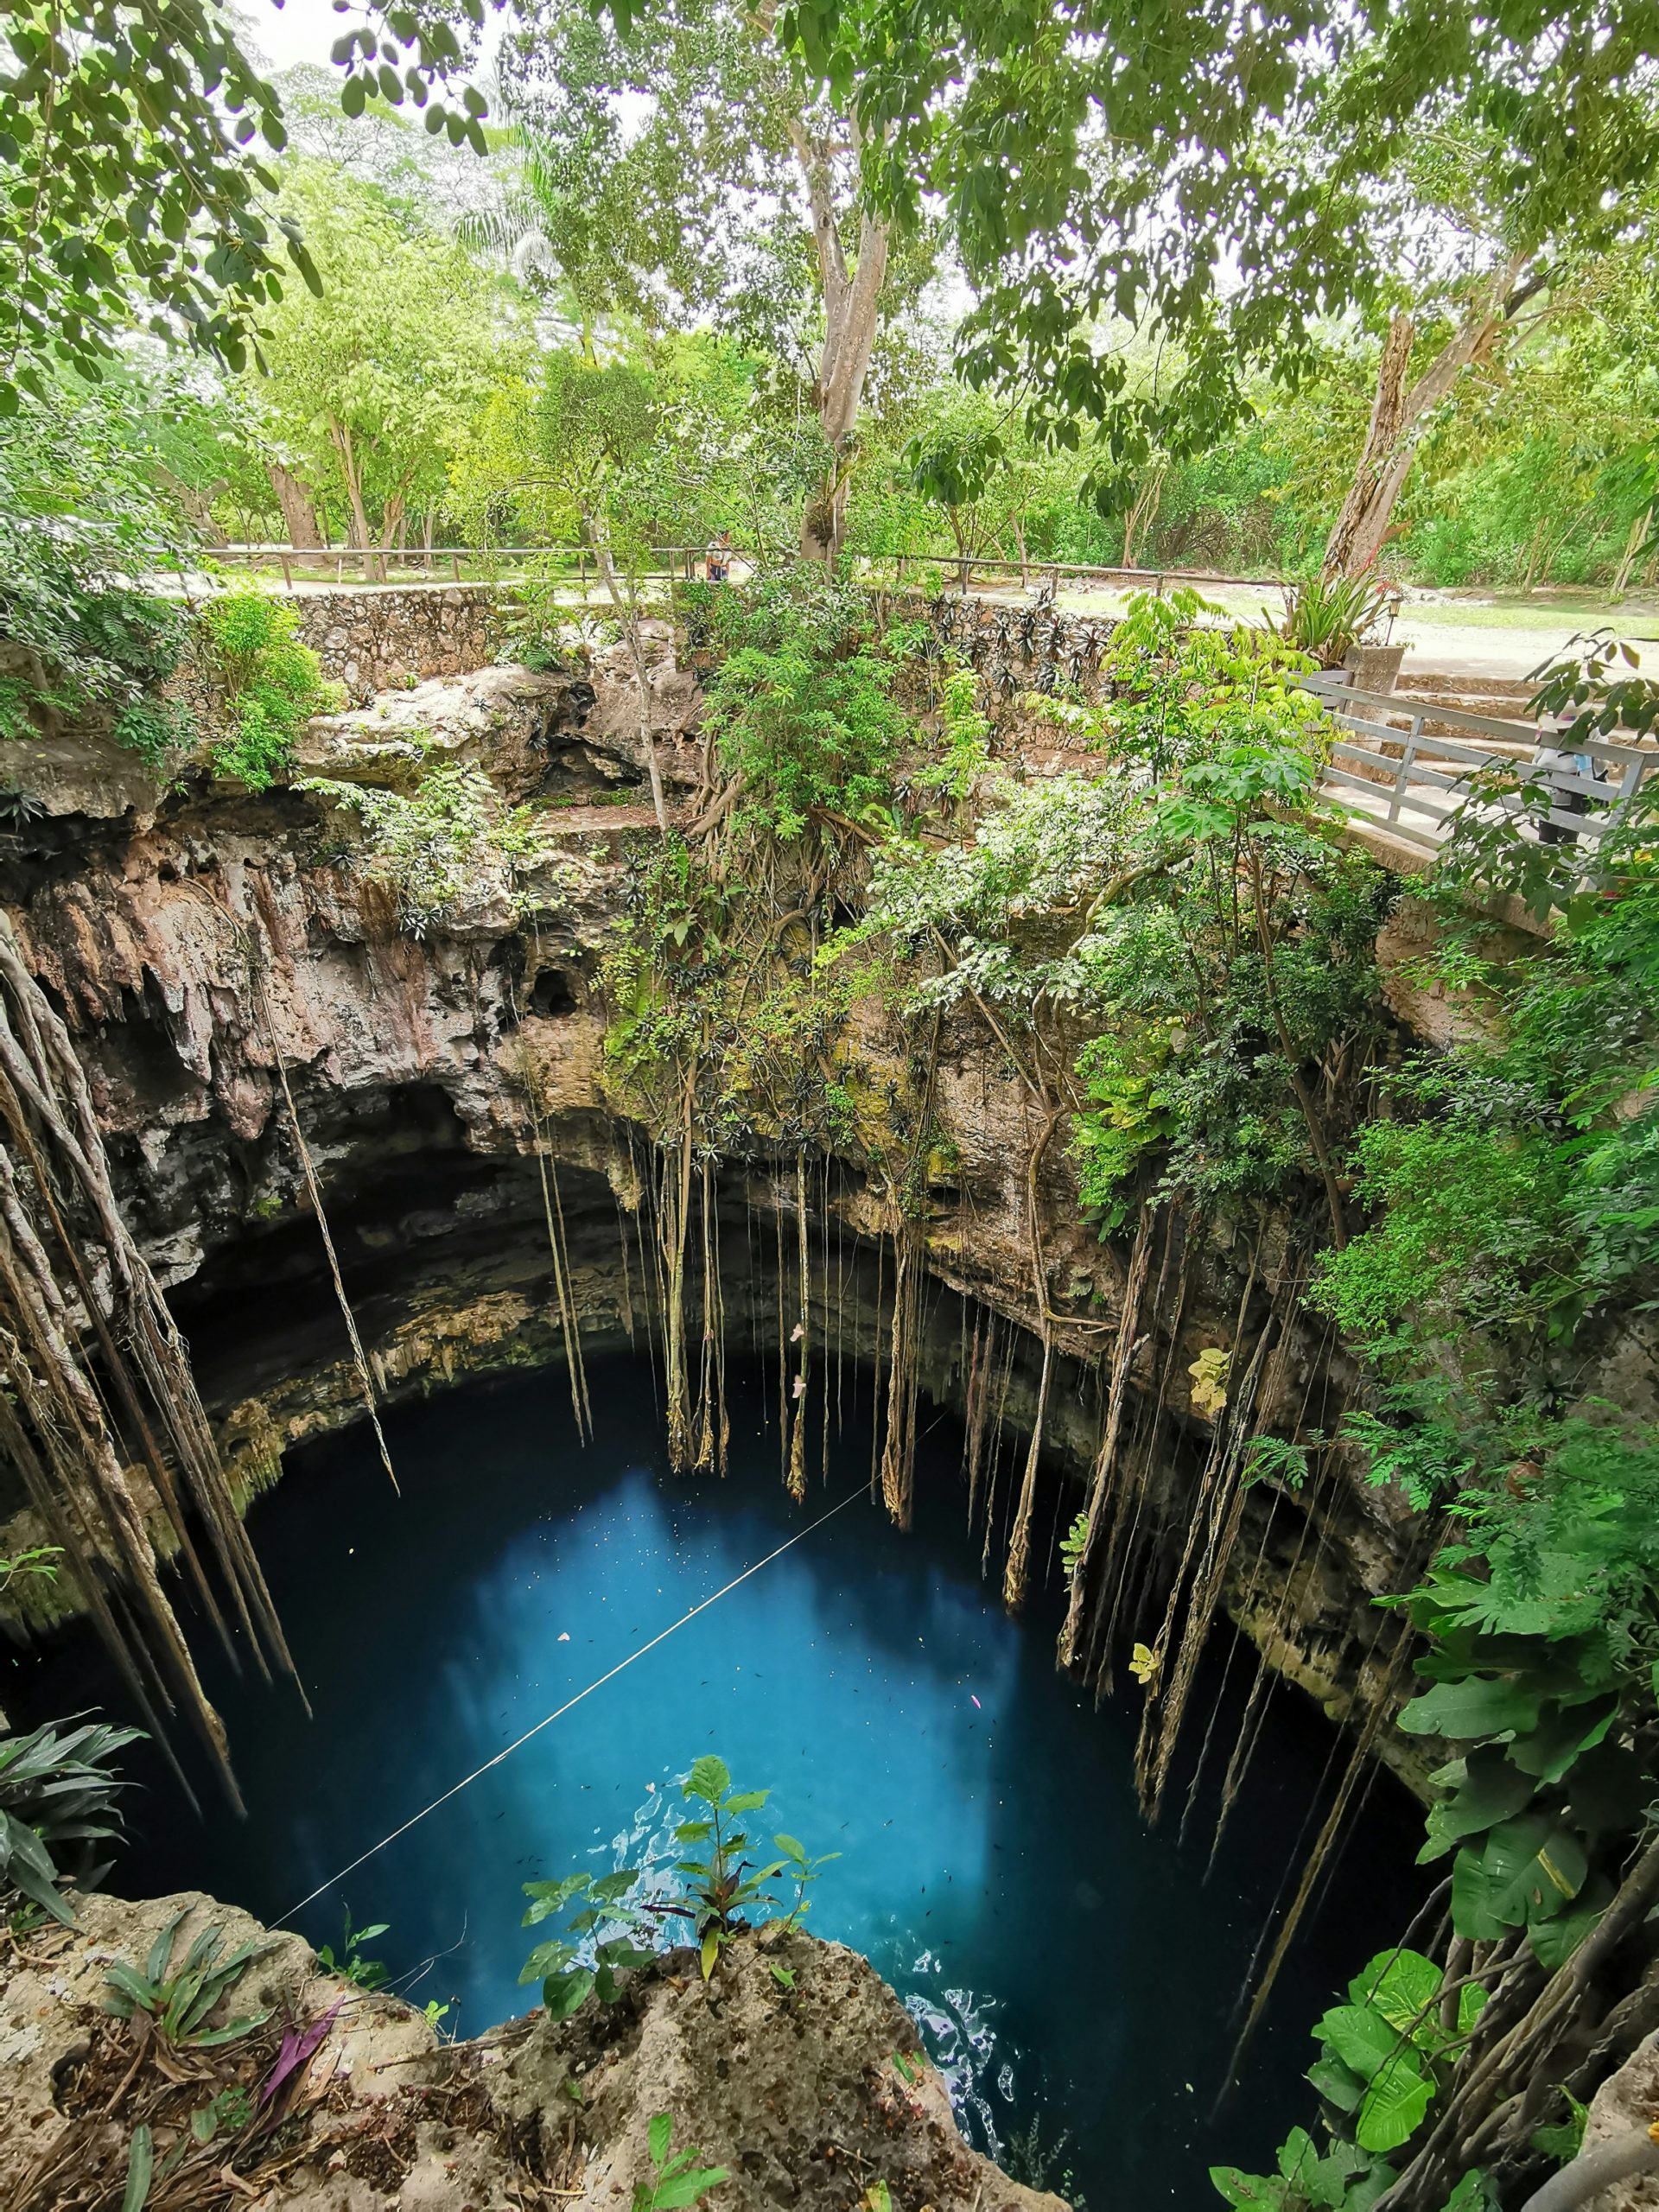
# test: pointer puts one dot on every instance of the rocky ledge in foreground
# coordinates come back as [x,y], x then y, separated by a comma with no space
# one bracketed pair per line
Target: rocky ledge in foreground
[783,2071]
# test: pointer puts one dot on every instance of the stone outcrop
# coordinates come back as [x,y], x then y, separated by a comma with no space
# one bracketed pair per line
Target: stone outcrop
[781,2071]
[511,721]
[1627,2106]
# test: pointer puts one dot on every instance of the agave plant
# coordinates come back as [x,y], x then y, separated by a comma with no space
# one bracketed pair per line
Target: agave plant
[1326,616]
[57,1797]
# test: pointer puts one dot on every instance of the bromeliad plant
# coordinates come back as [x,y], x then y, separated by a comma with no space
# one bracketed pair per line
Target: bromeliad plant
[57,1796]
[718,1893]
[178,2003]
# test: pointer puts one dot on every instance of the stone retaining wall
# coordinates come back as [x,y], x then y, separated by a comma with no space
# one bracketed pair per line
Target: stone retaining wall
[385,637]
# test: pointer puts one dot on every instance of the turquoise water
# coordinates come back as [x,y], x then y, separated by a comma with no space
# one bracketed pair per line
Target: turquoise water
[1066,1967]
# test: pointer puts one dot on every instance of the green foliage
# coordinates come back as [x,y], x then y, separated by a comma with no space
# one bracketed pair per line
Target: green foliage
[450,844]
[1072,1545]
[39,1560]
[367,1973]
[724,1885]
[179,1998]
[715,1893]
[127,174]
[1326,616]
[604,1925]
[266,682]
[678,2181]
[372,390]
[1525,1194]
[802,706]
[1386,2054]
[57,1795]
[964,732]
[78,517]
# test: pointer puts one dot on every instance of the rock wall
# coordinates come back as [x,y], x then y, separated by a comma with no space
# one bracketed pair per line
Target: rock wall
[408,1062]
[387,637]
[791,2089]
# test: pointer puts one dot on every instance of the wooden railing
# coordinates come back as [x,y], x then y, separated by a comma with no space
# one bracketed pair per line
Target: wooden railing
[1408,779]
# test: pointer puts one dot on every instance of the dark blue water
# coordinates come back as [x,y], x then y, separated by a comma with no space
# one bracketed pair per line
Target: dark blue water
[1068,1968]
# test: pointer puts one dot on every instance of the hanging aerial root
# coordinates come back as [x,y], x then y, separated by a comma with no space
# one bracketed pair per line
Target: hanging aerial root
[1096,1556]
[68,1262]
[1219,1509]
[314,1190]
[673,1227]
[1381,1712]
[1131,1552]
[713,1425]
[802,1334]
[899,1439]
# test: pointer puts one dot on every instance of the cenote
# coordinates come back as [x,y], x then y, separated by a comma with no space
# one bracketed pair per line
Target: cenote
[1073,1974]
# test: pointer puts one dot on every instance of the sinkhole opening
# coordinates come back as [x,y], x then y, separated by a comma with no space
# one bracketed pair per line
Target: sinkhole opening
[1070,1971]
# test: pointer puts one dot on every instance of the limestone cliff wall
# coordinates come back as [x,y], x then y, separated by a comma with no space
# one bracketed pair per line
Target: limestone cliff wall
[409,1060]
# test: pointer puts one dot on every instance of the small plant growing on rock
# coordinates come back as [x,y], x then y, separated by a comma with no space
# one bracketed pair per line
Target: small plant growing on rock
[178,2003]
[268,683]
[719,1892]
[677,2180]
[367,1973]
[604,1928]
[724,1883]
[803,1871]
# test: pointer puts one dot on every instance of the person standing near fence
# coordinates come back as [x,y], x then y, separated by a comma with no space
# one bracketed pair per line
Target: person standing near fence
[718,563]
[1555,766]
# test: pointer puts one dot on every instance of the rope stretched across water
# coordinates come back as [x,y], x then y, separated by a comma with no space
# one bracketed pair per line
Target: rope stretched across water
[701,1606]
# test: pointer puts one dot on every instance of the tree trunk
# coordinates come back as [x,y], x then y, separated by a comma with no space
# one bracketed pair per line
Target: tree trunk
[299,506]
[851,298]
[1397,416]
[1641,529]
[359,533]
[1144,512]
[625,602]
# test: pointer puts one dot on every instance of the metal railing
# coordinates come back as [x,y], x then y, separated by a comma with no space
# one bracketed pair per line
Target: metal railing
[443,563]
[375,564]
[1409,778]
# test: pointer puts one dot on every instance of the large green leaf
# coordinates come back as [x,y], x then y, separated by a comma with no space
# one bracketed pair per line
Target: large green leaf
[549,1897]
[564,1993]
[709,1779]
[1472,1707]
[1553,1941]
[1528,1869]
[141,2164]
[1338,2084]
[1395,2105]
[1360,2037]
[1491,1790]
[1550,1749]
[1249,2192]
[1400,1984]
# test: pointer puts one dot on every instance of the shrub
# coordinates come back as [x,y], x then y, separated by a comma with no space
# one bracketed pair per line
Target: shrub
[269,681]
